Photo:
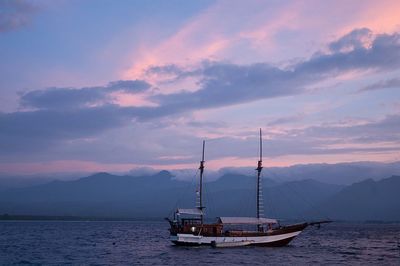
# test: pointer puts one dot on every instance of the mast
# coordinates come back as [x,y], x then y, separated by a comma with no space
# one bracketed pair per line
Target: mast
[259,169]
[201,168]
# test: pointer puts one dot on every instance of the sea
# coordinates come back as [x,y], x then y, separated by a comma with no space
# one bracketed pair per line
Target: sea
[146,243]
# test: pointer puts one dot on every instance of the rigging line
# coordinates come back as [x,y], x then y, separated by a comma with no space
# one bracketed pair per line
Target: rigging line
[249,199]
[209,201]
[262,210]
[270,209]
[255,192]
[244,207]
[261,194]
[248,196]
[292,207]
[310,205]
[182,190]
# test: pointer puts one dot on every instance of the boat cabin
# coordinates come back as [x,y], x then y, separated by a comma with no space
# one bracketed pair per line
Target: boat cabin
[190,221]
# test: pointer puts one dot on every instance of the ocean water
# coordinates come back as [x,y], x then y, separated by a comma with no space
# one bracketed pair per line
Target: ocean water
[146,243]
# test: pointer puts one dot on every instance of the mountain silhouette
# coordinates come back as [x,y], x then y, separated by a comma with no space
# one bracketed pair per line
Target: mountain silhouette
[156,196]
[366,200]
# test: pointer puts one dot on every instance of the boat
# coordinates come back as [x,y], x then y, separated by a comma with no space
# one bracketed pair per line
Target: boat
[188,228]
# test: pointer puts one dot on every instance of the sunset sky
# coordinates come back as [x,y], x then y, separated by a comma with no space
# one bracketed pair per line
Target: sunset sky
[116,85]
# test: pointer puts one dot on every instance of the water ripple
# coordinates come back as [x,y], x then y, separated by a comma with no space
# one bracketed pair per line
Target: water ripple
[146,243]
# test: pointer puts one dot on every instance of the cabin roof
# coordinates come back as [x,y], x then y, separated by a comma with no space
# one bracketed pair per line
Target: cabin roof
[195,211]
[246,220]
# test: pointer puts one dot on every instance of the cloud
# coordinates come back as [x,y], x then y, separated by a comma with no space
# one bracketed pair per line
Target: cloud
[377,136]
[32,130]
[257,31]
[72,98]
[383,54]
[60,115]
[165,69]
[15,14]
[113,142]
[356,39]
[384,84]
[286,120]
[61,98]
[128,86]
[224,84]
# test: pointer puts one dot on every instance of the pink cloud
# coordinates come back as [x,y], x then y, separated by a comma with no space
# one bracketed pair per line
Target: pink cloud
[254,31]
[217,33]
[62,166]
[379,16]
[127,99]
[330,158]
[71,166]
[183,47]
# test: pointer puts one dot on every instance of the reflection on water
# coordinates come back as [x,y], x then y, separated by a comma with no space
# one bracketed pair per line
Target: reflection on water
[147,243]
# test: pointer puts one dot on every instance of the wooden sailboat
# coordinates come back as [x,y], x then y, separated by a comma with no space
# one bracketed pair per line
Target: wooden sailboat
[188,227]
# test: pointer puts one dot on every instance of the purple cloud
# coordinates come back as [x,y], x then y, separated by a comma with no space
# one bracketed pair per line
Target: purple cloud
[72,98]
[15,14]
[384,84]
[64,113]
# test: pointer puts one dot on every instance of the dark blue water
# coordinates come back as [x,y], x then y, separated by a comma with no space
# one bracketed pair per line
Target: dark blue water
[146,243]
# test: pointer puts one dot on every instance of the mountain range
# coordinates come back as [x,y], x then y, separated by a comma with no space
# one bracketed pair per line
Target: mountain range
[157,195]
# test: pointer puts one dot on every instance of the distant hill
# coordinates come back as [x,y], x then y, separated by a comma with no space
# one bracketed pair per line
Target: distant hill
[100,194]
[237,181]
[8,181]
[155,196]
[366,200]
[288,200]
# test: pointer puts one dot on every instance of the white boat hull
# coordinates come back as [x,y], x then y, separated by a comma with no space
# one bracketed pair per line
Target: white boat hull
[230,244]
[190,239]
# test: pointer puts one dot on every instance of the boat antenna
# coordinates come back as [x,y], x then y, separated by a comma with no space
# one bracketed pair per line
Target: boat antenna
[201,168]
[259,169]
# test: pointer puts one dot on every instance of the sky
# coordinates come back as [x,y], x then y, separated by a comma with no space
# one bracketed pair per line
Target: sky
[105,85]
